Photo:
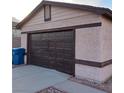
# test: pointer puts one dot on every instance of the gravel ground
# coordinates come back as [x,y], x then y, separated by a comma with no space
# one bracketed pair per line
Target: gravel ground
[51,90]
[107,86]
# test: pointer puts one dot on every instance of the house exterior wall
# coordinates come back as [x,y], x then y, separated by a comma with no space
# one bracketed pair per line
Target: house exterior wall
[106,39]
[60,17]
[87,46]
[16,37]
[24,45]
[95,45]
[16,42]
[94,74]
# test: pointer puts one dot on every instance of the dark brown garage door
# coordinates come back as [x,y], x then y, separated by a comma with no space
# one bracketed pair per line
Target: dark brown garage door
[53,50]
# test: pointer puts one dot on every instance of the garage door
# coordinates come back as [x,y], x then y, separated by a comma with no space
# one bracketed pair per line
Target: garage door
[53,50]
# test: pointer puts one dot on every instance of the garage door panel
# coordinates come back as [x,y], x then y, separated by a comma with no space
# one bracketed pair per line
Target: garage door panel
[53,50]
[52,54]
[43,44]
[35,37]
[59,55]
[68,45]
[52,44]
[44,36]
[69,33]
[66,51]
[68,60]
[59,64]
[52,62]
[39,53]
[59,44]
[39,46]
[52,36]
[66,56]
[60,35]
[59,50]
[35,43]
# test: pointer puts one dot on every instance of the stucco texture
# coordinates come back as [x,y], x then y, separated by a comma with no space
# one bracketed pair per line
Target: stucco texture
[87,46]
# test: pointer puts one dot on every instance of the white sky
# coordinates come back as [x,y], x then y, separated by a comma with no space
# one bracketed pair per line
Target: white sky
[21,8]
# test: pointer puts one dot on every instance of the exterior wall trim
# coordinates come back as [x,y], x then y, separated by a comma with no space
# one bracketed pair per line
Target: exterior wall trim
[65,28]
[94,64]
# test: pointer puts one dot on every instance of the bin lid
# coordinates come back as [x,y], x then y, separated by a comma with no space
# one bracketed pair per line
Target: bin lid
[18,49]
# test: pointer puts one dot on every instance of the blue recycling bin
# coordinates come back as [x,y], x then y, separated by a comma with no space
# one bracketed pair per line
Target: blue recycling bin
[18,56]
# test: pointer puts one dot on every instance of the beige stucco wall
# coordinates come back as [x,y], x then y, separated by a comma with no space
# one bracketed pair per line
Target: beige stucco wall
[24,44]
[60,17]
[87,45]
[106,39]
[105,73]
[93,73]
[94,44]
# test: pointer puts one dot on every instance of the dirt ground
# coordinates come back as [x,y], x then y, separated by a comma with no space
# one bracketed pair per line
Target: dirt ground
[51,90]
[106,86]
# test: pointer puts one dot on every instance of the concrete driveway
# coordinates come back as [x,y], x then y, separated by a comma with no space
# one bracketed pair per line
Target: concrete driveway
[30,79]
